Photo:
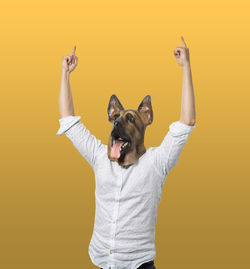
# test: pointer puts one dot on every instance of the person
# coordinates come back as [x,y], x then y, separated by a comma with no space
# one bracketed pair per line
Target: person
[127,199]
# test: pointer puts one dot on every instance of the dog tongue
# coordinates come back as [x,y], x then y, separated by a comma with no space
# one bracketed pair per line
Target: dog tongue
[115,150]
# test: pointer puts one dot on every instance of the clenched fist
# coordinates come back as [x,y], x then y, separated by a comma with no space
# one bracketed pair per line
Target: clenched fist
[182,54]
[69,62]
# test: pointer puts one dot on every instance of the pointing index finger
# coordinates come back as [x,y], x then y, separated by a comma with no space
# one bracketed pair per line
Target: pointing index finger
[73,51]
[183,42]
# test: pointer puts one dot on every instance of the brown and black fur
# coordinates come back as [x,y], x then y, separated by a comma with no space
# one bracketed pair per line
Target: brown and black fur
[130,125]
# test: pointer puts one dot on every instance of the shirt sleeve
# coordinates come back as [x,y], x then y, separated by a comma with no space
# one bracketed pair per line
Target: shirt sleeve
[168,153]
[85,142]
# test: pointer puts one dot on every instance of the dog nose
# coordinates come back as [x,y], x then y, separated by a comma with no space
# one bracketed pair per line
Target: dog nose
[116,123]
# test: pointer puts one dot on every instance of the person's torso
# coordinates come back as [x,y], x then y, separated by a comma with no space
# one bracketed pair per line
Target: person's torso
[126,207]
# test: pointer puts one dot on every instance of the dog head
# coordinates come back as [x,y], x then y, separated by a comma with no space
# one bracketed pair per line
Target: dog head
[126,141]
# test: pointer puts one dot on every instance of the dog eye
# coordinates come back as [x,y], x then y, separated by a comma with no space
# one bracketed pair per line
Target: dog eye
[130,118]
[116,116]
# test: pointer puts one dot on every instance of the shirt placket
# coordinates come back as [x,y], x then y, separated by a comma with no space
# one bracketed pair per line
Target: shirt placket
[115,215]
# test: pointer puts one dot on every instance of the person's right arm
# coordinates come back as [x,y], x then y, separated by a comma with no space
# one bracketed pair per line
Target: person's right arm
[82,139]
[66,107]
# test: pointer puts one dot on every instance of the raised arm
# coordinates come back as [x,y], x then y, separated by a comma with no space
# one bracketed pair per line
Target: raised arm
[66,107]
[167,154]
[187,102]
[80,136]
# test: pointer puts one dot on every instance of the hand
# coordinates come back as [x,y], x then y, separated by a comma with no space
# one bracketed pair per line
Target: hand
[69,62]
[182,54]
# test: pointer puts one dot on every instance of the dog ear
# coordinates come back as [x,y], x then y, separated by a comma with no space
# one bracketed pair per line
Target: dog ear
[145,109]
[114,107]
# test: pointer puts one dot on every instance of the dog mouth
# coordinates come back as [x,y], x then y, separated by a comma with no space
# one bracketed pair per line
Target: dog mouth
[120,145]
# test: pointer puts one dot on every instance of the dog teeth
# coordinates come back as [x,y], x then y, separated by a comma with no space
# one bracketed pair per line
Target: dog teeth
[123,146]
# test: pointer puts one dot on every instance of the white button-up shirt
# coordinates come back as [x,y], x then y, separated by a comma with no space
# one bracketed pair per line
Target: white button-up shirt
[126,199]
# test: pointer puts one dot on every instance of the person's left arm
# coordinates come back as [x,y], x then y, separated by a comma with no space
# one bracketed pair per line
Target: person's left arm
[187,101]
[167,154]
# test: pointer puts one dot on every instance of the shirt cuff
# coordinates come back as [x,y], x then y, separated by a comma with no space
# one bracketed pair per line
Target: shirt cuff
[179,128]
[66,123]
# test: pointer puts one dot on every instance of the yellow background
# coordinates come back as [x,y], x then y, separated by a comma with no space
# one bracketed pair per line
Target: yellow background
[124,48]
